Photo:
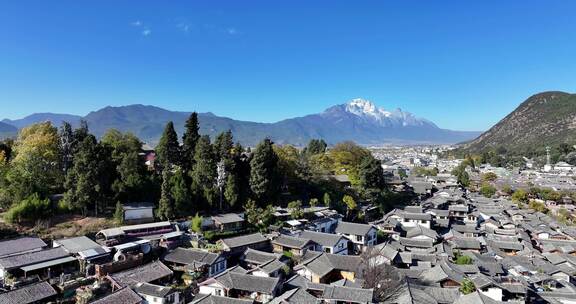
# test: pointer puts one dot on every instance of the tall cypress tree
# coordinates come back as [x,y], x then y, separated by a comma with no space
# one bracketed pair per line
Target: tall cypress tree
[224,145]
[204,171]
[168,149]
[189,140]
[166,204]
[264,180]
[181,194]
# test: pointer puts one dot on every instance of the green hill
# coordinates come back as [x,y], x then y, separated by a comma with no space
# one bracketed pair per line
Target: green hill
[545,119]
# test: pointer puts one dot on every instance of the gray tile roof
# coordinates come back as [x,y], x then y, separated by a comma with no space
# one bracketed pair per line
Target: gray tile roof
[227,218]
[348,294]
[15,246]
[142,274]
[30,258]
[246,282]
[324,239]
[244,240]
[353,228]
[323,263]
[257,257]
[296,296]
[152,290]
[291,241]
[188,256]
[212,299]
[32,293]
[77,244]
[122,296]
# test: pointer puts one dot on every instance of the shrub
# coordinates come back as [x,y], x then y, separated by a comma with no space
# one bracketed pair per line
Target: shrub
[30,209]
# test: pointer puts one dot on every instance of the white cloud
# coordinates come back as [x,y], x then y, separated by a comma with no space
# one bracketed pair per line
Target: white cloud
[146,32]
[136,23]
[183,26]
[231,31]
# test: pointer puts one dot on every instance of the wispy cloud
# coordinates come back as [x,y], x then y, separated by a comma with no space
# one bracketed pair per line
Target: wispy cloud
[231,31]
[144,30]
[184,26]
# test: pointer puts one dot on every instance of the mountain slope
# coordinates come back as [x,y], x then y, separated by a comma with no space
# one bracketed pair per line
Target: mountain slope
[547,118]
[56,119]
[7,130]
[358,120]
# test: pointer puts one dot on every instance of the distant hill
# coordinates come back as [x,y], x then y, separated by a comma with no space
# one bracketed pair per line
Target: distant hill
[56,119]
[547,118]
[358,120]
[7,130]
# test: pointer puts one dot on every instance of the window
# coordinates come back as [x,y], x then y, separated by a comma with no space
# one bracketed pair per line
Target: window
[218,292]
[341,245]
[360,238]
[327,249]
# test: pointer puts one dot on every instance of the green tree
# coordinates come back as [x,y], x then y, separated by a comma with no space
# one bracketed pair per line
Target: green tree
[467,287]
[31,209]
[263,175]
[487,190]
[204,171]
[224,145]
[168,148]
[180,193]
[350,204]
[119,214]
[371,174]
[327,200]
[166,204]
[88,182]
[314,202]
[295,208]
[464,178]
[489,177]
[196,223]
[131,180]
[189,140]
[35,164]
[231,191]
[520,196]
[316,146]
[260,218]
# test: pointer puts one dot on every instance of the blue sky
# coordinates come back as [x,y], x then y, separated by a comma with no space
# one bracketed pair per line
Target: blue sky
[461,64]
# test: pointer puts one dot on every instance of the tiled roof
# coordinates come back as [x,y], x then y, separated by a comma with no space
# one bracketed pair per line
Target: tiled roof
[15,246]
[32,293]
[142,274]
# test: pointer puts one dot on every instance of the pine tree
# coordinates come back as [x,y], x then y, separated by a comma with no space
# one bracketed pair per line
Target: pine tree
[263,174]
[166,203]
[168,149]
[224,145]
[88,181]
[204,171]
[371,174]
[189,140]
[181,194]
[231,191]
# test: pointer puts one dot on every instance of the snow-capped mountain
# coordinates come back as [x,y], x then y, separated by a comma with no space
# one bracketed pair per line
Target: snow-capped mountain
[370,112]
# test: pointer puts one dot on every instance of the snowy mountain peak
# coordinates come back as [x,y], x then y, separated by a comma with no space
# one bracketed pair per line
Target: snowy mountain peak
[362,107]
[369,112]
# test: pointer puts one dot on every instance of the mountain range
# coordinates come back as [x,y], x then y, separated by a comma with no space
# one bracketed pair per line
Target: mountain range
[544,119]
[358,120]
